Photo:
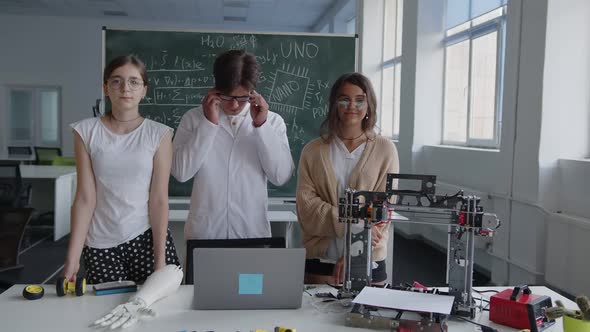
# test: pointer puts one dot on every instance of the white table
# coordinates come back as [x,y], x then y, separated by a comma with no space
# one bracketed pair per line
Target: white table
[271,200]
[72,313]
[21,159]
[45,171]
[63,179]
[273,216]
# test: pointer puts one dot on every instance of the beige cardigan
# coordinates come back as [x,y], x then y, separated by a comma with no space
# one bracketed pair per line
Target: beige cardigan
[317,201]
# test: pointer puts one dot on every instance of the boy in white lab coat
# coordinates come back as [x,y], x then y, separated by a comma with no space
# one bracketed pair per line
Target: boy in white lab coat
[231,144]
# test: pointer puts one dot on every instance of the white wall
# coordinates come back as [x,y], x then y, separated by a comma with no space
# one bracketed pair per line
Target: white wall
[421,81]
[545,117]
[574,186]
[566,97]
[564,184]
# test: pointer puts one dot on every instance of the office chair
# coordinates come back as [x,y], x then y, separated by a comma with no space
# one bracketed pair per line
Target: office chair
[19,151]
[44,156]
[13,193]
[264,242]
[13,222]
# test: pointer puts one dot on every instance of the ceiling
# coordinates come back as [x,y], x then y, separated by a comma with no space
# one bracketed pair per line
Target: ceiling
[304,14]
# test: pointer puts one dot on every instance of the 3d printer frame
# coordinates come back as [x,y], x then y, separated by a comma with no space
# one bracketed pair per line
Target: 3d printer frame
[462,214]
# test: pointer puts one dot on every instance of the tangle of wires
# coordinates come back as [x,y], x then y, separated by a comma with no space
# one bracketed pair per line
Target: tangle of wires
[484,328]
[331,306]
[326,302]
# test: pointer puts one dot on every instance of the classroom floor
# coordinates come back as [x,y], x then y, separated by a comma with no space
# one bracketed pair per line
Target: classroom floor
[43,260]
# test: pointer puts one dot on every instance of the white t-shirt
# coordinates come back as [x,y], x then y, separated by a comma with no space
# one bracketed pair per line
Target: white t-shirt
[235,121]
[343,163]
[122,166]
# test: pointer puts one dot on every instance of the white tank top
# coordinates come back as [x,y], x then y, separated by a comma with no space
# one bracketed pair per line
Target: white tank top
[122,166]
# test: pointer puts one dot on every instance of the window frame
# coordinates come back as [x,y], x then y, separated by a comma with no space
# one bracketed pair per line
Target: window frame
[36,125]
[389,63]
[498,25]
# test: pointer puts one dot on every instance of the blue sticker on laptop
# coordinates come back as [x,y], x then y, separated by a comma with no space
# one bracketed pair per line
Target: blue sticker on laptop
[250,283]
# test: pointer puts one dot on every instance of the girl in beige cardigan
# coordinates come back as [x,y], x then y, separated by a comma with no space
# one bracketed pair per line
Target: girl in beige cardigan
[350,151]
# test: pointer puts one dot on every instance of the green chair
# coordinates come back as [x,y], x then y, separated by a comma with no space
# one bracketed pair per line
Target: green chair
[64,161]
[44,156]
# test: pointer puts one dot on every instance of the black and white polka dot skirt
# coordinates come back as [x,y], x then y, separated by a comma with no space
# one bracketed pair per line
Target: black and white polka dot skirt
[132,260]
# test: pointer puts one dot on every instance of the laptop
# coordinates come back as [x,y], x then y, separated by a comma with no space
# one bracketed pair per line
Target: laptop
[248,278]
[264,242]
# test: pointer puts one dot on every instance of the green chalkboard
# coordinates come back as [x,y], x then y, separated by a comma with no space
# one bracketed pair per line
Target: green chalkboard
[297,73]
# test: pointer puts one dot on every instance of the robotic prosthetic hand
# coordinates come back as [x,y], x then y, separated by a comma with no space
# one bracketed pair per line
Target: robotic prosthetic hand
[158,285]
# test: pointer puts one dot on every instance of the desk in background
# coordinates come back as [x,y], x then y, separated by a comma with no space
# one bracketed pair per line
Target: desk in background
[72,313]
[20,159]
[287,202]
[273,216]
[53,189]
[278,212]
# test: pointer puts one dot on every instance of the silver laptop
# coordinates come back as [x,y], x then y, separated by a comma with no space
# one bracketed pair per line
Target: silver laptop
[248,278]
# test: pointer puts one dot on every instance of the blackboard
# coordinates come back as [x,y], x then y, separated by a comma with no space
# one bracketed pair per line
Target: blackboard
[297,73]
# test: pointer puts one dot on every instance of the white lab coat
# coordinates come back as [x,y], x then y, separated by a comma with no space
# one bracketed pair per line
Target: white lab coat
[229,197]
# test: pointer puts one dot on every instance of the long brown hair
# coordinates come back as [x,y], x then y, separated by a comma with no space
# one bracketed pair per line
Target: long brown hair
[329,128]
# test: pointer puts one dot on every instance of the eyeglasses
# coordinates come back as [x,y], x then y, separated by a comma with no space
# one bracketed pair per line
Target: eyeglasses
[345,103]
[134,83]
[239,99]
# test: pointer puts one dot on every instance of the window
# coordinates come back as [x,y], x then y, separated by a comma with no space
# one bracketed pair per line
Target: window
[34,116]
[391,69]
[474,53]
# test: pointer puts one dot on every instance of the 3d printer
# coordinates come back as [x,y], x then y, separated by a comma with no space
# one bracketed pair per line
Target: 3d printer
[464,218]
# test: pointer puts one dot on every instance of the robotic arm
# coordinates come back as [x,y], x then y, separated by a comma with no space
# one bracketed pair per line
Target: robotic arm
[158,285]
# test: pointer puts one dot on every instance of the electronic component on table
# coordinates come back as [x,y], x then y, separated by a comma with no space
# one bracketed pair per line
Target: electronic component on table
[115,287]
[520,309]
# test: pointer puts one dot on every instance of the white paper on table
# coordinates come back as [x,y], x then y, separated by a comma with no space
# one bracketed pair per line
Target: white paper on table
[405,300]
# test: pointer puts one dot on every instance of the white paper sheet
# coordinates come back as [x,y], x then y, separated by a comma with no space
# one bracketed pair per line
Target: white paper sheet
[405,300]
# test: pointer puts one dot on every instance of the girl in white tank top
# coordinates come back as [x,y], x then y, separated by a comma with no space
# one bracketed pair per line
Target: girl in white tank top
[120,212]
